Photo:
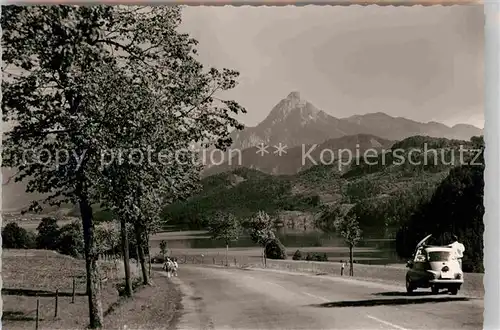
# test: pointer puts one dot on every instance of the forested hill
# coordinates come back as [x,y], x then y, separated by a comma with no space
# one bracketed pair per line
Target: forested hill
[384,187]
[392,200]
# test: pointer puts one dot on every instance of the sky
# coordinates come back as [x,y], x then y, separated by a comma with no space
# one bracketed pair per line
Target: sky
[422,63]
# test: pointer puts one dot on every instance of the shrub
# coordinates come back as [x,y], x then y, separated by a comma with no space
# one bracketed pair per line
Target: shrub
[136,283]
[275,250]
[71,240]
[297,255]
[48,234]
[15,237]
[316,257]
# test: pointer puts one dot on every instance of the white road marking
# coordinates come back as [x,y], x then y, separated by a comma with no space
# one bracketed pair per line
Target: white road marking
[315,296]
[395,326]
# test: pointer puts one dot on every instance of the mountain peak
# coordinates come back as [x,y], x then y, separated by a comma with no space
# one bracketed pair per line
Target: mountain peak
[295,95]
[292,106]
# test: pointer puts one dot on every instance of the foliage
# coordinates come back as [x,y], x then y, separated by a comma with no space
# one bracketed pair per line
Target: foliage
[420,141]
[297,255]
[108,237]
[225,227]
[275,250]
[383,215]
[259,191]
[456,207]
[48,234]
[261,228]
[316,257]
[136,284]
[163,248]
[387,193]
[71,240]
[91,79]
[15,237]
[348,228]
[361,189]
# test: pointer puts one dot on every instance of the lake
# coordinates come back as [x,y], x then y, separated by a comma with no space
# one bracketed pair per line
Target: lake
[369,251]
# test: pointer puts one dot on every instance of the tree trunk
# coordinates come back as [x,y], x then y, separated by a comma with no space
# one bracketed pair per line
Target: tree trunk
[149,253]
[227,250]
[149,261]
[126,257]
[264,257]
[351,261]
[137,254]
[140,250]
[91,265]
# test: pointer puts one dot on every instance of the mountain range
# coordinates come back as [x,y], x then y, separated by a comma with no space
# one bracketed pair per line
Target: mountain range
[294,121]
[299,126]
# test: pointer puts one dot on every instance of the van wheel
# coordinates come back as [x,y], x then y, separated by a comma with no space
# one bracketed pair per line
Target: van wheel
[409,286]
[435,289]
[454,290]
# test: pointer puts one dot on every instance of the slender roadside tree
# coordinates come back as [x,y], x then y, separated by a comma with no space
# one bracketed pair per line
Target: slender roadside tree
[261,228]
[348,227]
[163,248]
[225,227]
[62,66]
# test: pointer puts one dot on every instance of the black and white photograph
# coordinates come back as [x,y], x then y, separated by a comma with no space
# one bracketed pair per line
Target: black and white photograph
[243,167]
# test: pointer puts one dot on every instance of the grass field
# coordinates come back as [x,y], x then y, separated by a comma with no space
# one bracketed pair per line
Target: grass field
[29,275]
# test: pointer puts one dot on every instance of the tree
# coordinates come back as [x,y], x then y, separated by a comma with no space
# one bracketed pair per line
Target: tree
[261,227]
[48,234]
[72,63]
[163,248]
[226,227]
[15,237]
[148,223]
[108,237]
[71,240]
[348,227]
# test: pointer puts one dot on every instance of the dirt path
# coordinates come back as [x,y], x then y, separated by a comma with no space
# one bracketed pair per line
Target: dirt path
[153,307]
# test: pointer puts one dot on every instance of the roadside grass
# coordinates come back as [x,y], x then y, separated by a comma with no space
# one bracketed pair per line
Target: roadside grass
[29,275]
[157,306]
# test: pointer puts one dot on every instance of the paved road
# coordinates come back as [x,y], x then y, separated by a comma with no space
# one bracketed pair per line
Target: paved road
[217,298]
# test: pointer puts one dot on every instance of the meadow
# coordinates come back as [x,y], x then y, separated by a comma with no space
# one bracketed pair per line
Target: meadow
[31,275]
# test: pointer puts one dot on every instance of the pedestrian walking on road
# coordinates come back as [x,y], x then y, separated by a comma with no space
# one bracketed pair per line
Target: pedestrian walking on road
[342,267]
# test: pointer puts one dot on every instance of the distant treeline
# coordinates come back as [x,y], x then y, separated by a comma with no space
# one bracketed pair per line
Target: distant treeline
[67,239]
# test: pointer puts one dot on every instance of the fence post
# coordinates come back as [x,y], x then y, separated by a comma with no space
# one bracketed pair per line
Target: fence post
[235,263]
[37,308]
[213,259]
[57,303]
[74,291]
